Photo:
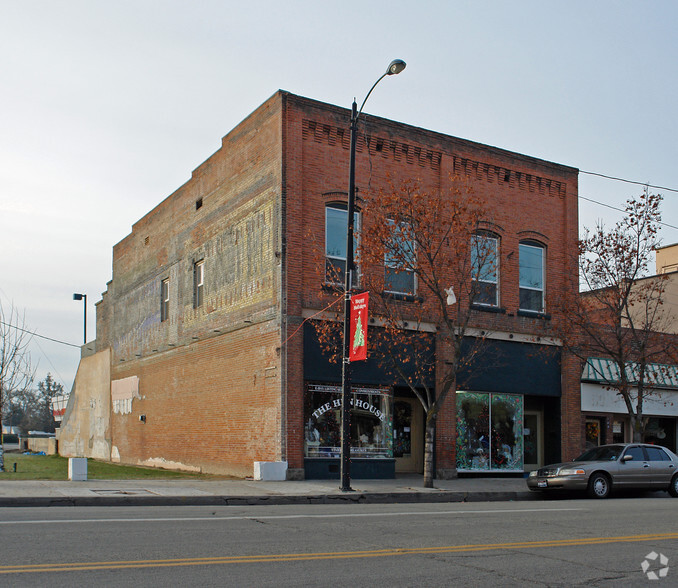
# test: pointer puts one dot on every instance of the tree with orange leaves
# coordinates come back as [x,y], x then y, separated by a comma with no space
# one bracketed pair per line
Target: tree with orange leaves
[422,260]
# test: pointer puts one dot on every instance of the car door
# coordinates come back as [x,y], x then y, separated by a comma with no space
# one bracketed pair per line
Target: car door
[634,471]
[661,467]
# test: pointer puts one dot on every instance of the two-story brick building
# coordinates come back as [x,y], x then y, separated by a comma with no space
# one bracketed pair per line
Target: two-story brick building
[205,358]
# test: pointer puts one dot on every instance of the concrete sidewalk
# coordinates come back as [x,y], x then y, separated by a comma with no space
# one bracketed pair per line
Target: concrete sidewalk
[403,489]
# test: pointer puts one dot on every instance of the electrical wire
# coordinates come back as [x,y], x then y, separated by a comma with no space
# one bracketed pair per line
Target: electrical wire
[34,334]
[581,171]
[313,316]
[622,210]
[56,371]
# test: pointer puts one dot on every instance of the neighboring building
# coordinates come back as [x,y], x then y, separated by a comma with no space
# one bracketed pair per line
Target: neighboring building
[667,260]
[665,316]
[604,413]
[205,357]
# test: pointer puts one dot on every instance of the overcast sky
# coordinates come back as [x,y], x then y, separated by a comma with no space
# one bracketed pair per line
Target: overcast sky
[107,106]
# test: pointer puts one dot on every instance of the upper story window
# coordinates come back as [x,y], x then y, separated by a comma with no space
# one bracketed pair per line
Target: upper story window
[198,283]
[531,276]
[485,268]
[336,220]
[400,260]
[164,300]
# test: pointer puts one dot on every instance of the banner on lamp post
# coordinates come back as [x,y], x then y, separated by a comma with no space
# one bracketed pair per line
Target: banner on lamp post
[358,349]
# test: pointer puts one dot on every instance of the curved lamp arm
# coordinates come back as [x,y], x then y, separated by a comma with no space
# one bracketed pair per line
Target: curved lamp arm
[394,68]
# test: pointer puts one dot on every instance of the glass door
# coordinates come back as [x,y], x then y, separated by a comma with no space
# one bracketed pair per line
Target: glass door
[533,436]
[408,435]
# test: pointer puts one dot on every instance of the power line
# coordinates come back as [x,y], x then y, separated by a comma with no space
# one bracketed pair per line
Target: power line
[33,334]
[581,171]
[56,371]
[622,210]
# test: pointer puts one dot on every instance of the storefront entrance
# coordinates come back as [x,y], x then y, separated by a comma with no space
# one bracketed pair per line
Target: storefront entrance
[408,435]
[533,434]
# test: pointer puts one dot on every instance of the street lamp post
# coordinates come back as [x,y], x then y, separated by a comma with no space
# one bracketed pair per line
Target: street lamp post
[83,297]
[395,67]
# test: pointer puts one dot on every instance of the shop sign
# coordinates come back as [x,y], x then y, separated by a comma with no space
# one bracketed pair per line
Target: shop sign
[355,403]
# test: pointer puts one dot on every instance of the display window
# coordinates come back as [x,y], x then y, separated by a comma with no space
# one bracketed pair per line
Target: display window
[661,431]
[593,433]
[618,431]
[371,422]
[489,432]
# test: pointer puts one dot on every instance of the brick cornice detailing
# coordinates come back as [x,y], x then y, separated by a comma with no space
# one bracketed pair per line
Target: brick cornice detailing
[503,175]
[388,148]
[400,151]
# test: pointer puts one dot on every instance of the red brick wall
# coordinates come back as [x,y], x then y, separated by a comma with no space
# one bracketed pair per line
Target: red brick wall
[208,373]
[210,377]
[212,405]
[528,198]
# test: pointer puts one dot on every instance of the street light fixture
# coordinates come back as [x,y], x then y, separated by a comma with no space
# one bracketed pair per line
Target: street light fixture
[395,67]
[83,297]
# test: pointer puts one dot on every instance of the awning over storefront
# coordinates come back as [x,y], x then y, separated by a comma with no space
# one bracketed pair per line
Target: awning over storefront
[375,370]
[600,398]
[511,368]
[605,371]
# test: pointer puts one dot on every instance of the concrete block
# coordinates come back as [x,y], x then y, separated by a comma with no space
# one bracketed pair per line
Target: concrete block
[77,469]
[270,471]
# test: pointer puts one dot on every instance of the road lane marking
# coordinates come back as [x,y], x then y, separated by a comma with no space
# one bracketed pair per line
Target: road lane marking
[291,516]
[293,557]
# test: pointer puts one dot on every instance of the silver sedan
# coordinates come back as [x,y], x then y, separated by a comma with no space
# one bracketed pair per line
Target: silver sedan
[600,469]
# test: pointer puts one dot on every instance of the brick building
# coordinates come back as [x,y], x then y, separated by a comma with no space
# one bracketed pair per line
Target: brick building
[203,360]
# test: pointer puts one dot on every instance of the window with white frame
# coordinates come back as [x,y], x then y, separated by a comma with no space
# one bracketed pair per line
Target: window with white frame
[336,220]
[164,300]
[485,268]
[400,259]
[198,283]
[531,276]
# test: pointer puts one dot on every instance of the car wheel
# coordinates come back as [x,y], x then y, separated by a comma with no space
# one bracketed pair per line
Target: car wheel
[599,486]
[673,488]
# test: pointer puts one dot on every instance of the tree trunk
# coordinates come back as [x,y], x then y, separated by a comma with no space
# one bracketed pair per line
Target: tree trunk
[637,428]
[428,452]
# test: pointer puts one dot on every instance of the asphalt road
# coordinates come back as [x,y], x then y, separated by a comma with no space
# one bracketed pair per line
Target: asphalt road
[549,543]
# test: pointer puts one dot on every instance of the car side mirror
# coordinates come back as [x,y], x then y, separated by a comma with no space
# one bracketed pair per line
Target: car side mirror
[627,458]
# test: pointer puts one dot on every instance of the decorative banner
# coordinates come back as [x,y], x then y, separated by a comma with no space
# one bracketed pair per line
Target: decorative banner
[358,347]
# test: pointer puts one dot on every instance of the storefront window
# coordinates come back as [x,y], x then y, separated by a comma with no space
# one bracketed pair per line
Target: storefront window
[473,431]
[593,429]
[618,431]
[507,432]
[659,431]
[371,422]
[489,431]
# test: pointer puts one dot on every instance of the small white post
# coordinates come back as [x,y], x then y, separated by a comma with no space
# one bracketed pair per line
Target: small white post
[77,469]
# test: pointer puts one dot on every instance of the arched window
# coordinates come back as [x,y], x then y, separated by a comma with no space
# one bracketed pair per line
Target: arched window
[485,268]
[400,260]
[532,275]
[336,220]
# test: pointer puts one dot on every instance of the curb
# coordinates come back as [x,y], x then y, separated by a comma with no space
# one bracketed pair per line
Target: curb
[276,500]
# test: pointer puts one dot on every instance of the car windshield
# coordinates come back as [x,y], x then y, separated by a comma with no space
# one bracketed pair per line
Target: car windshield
[604,453]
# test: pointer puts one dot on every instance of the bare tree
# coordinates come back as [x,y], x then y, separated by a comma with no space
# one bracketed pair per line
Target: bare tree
[621,315]
[16,374]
